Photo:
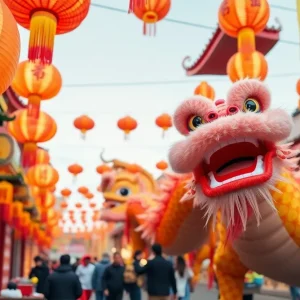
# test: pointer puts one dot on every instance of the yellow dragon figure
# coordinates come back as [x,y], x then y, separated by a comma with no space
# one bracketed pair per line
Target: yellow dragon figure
[241,171]
[127,181]
[131,191]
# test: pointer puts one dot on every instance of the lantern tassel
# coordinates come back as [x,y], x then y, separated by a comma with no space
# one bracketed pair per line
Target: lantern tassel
[163,134]
[126,136]
[42,33]
[149,29]
[83,134]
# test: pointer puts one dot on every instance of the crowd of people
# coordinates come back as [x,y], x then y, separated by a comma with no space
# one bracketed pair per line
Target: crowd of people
[111,280]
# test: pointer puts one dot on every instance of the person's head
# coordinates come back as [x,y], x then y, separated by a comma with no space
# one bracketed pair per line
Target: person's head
[180,265]
[138,254]
[65,259]
[117,258]
[86,260]
[156,249]
[38,260]
[77,260]
[105,256]
[12,286]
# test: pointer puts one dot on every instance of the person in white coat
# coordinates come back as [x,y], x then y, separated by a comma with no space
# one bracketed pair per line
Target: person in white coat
[11,291]
[85,273]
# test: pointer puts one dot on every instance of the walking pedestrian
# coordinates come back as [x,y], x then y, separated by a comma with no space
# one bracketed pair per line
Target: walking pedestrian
[295,293]
[63,283]
[160,276]
[85,273]
[76,264]
[183,275]
[133,281]
[113,279]
[97,277]
[41,272]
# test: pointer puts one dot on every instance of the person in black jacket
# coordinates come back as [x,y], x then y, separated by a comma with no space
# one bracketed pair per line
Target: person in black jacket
[41,271]
[113,279]
[63,283]
[160,276]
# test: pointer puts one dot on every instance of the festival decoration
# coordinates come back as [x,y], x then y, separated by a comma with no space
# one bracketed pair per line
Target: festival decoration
[103,169]
[45,201]
[30,131]
[45,19]
[162,165]
[127,124]
[84,123]
[42,176]
[150,12]
[36,82]
[89,196]
[243,20]
[10,47]
[64,205]
[42,156]
[92,205]
[204,89]
[78,205]
[75,170]
[83,190]
[164,121]
[246,207]
[66,193]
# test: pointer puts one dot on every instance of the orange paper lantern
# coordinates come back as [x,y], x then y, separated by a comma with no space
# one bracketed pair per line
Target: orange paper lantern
[84,123]
[42,176]
[42,156]
[150,12]
[30,131]
[36,82]
[66,193]
[162,165]
[235,15]
[164,121]
[103,169]
[93,205]
[89,196]
[205,90]
[64,205]
[10,47]
[44,19]
[75,169]
[255,66]
[78,205]
[127,124]
[45,201]
[83,190]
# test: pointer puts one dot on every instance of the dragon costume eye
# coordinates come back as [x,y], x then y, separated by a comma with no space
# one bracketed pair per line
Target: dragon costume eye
[195,122]
[124,192]
[251,105]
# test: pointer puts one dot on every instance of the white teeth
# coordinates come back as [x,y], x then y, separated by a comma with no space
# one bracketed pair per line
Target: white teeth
[259,170]
[221,145]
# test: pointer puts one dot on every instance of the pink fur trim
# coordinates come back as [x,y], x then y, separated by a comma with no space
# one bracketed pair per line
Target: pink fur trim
[243,89]
[154,215]
[272,126]
[196,105]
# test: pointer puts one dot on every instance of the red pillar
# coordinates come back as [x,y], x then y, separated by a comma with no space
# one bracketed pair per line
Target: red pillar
[5,253]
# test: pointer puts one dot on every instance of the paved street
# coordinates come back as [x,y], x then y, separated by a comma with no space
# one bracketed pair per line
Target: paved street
[203,294]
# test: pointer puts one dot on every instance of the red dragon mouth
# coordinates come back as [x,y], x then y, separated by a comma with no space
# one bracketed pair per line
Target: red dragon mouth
[236,164]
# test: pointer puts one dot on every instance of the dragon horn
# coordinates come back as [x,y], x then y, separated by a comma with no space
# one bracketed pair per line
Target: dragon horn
[103,159]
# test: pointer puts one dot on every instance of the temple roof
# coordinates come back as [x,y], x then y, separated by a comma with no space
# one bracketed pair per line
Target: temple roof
[221,47]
